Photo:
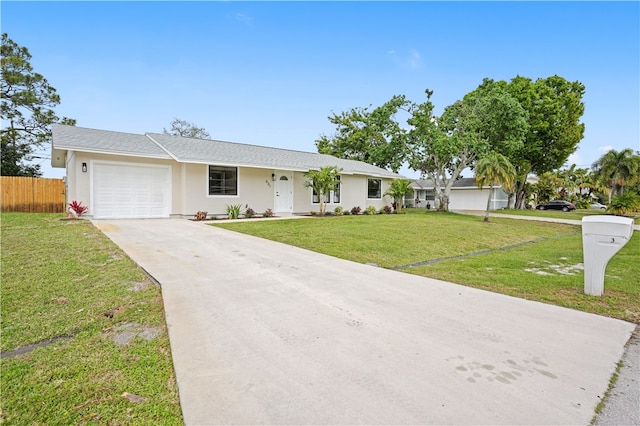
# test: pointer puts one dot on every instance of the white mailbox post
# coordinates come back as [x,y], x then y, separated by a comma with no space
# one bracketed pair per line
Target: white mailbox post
[602,237]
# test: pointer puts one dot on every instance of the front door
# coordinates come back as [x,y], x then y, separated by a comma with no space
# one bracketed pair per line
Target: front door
[283,192]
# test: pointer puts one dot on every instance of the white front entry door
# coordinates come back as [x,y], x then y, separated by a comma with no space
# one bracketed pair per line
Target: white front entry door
[283,189]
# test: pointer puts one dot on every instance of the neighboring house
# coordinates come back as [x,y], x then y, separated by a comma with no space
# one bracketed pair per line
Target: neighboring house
[465,195]
[123,175]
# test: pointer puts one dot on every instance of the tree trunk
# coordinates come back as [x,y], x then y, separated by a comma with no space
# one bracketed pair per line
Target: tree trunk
[443,202]
[519,204]
[486,215]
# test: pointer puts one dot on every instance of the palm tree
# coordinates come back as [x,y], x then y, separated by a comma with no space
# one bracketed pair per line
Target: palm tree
[494,169]
[398,189]
[322,182]
[617,170]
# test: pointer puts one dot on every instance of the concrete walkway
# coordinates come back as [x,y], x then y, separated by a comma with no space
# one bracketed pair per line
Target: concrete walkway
[534,218]
[265,333]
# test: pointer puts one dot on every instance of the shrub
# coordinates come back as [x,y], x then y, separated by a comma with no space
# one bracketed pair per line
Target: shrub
[356,210]
[386,210]
[583,204]
[200,216]
[249,212]
[233,210]
[313,213]
[267,213]
[338,211]
[346,213]
[625,204]
[77,209]
[371,210]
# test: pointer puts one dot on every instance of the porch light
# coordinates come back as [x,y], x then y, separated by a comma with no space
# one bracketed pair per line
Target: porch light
[84,167]
[273,177]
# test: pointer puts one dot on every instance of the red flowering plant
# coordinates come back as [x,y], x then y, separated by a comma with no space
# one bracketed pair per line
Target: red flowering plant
[76,209]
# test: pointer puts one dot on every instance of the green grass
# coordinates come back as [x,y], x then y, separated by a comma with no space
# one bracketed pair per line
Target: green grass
[59,278]
[531,271]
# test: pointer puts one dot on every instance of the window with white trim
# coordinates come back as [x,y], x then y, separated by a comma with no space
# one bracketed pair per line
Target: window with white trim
[374,188]
[333,197]
[223,180]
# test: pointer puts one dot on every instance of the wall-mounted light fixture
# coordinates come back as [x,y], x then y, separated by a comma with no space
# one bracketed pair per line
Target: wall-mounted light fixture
[84,167]
[273,177]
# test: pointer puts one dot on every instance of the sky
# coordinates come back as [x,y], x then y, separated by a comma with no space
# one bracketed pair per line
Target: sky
[271,73]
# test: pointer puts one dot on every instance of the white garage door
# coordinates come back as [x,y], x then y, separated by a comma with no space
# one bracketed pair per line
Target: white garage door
[121,191]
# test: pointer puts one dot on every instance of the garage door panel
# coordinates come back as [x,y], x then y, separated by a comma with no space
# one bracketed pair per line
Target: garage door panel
[130,191]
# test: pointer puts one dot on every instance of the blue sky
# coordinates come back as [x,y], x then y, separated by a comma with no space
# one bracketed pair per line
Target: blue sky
[270,73]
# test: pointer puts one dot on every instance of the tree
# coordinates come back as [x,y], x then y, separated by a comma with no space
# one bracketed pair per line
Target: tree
[374,137]
[616,170]
[487,119]
[554,107]
[398,190]
[494,169]
[27,107]
[185,129]
[547,187]
[322,182]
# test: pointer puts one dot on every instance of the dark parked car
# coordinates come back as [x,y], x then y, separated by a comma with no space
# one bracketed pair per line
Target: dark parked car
[565,206]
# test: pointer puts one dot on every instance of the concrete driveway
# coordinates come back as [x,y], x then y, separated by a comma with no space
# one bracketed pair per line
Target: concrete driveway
[265,333]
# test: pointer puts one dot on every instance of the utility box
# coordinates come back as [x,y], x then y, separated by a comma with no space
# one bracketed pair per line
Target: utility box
[602,237]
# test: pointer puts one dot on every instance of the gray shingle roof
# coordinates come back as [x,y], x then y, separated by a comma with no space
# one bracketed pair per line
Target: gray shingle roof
[189,150]
[103,141]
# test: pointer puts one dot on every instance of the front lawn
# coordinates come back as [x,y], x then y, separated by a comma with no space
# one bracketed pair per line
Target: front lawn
[105,356]
[547,267]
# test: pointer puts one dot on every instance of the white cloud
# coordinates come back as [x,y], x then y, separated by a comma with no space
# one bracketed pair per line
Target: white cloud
[605,149]
[410,60]
[244,18]
[574,159]
[414,58]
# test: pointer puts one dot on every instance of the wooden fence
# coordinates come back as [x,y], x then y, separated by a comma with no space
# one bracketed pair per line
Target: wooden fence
[32,195]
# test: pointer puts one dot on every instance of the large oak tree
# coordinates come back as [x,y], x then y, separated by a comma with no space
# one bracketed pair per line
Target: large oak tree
[554,106]
[486,120]
[186,129]
[373,136]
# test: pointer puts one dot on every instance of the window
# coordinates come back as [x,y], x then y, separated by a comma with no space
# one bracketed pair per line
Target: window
[336,192]
[223,180]
[316,197]
[374,188]
[333,197]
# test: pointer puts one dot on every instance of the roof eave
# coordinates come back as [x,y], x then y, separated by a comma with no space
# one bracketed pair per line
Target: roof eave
[111,152]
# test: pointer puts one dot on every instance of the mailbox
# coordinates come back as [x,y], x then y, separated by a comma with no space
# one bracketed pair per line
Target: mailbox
[602,237]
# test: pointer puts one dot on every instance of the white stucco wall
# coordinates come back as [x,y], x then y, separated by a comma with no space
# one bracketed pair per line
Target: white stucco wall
[79,182]
[255,189]
[189,187]
[353,193]
[476,199]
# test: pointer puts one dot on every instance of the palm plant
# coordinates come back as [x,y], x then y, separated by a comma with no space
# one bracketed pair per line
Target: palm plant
[625,204]
[494,169]
[547,187]
[618,170]
[398,190]
[322,182]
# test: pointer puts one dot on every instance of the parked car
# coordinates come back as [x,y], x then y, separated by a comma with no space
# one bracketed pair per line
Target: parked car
[565,206]
[598,206]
